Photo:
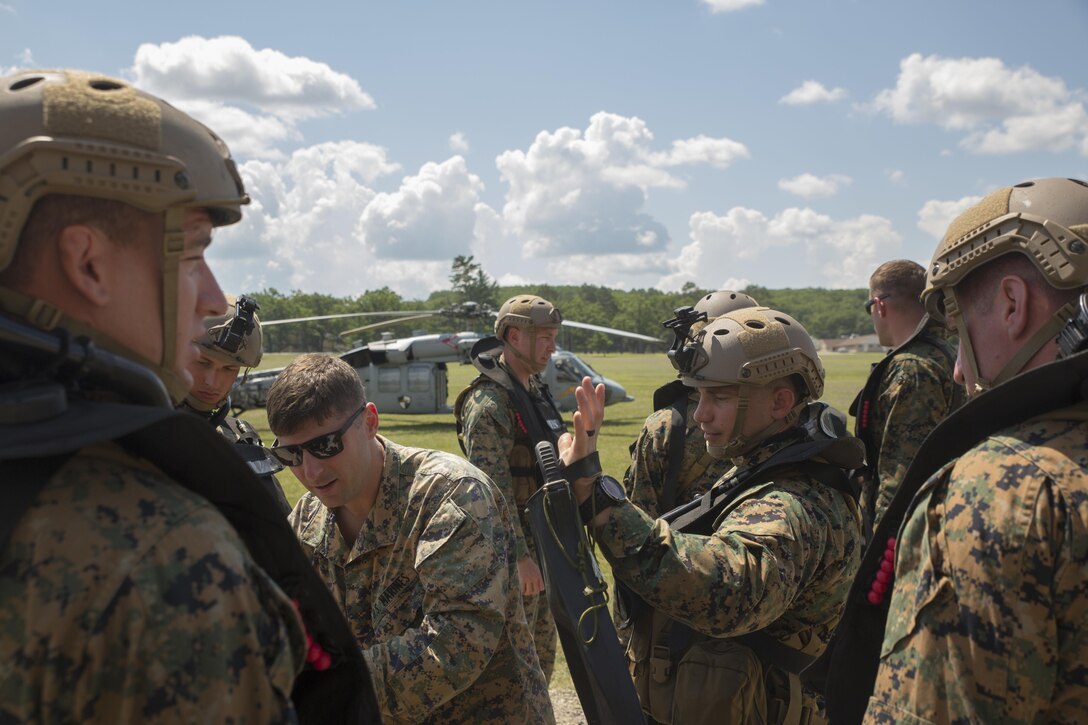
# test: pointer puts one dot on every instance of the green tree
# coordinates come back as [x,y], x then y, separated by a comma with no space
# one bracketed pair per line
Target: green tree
[470,282]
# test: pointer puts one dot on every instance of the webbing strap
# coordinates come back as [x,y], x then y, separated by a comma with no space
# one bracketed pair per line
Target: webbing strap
[23,479]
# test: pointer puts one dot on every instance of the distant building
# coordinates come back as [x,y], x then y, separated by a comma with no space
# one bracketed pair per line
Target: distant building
[854,343]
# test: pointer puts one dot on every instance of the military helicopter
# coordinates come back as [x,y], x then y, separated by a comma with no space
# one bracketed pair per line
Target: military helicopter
[410,373]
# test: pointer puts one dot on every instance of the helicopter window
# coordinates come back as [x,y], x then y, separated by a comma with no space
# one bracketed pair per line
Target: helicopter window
[573,369]
[419,378]
[566,371]
[389,380]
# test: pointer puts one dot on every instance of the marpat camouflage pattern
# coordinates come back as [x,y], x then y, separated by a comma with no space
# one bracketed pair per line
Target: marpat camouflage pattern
[126,598]
[990,602]
[432,593]
[496,443]
[916,393]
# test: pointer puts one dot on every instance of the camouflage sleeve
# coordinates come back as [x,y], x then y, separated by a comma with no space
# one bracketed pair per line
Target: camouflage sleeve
[463,567]
[739,579]
[489,439]
[645,476]
[914,398]
[196,632]
[989,613]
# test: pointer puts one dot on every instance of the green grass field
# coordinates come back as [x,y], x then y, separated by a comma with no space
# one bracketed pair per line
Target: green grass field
[639,374]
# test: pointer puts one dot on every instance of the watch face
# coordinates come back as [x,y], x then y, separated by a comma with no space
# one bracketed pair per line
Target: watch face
[613,489]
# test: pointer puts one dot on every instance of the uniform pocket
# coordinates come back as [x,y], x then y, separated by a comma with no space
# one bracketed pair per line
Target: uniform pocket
[719,681]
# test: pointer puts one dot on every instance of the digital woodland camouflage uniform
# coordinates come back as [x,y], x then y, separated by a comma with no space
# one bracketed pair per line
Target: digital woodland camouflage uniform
[432,593]
[988,613]
[916,392]
[781,558]
[176,622]
[645,477]
[490,427]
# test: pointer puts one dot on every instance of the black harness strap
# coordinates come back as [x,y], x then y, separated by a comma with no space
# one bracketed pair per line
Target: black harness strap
[23,478]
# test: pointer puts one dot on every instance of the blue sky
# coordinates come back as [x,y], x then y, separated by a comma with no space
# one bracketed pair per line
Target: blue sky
[783,143]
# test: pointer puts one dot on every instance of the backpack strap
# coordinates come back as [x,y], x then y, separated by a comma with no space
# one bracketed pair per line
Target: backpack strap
[23,479]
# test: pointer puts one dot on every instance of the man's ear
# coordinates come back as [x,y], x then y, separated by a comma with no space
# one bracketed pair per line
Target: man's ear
[513,335]
[370,420]
[1013,295]
[85,255]
[783,398]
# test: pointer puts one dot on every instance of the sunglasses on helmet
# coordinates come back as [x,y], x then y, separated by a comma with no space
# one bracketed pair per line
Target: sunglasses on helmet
[326,445]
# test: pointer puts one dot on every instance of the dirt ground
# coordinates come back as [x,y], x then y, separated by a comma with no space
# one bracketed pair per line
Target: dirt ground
[568,711]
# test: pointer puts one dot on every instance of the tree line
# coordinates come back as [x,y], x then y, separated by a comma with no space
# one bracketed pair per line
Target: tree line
[825,313]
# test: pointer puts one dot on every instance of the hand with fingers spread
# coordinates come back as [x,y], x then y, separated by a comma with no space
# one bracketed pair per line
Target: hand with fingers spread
[587,425]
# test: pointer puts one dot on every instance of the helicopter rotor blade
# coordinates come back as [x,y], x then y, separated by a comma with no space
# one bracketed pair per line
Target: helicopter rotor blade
[612,331]
[383,323]
[269,323]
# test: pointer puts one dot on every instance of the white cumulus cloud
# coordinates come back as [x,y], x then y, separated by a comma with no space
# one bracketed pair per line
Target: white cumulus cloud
[797,247]
[254,98]
[1001,109]
[935,215]
[458,142]
[811,92]
[573,191]
[810,186]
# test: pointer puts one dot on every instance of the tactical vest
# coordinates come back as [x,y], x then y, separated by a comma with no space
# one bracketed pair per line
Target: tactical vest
[862,406]
[864,403]
[685,677]
[847,670]
[536,417]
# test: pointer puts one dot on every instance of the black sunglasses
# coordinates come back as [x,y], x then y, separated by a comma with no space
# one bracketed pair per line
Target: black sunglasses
[869,303]
[323,446]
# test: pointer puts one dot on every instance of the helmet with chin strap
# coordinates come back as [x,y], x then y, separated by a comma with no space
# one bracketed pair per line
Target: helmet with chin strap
[749,347]
[1046,221]
[85,134]
[527,312]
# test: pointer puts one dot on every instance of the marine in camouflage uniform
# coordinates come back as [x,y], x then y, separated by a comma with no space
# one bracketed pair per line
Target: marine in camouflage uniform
[909,392]
[124,596]
[987,612]
[498,435]
[425,570]
[778,559]
[231,342]
[431,590]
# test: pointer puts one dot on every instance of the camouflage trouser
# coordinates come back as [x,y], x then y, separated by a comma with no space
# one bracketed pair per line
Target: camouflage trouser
[538,613]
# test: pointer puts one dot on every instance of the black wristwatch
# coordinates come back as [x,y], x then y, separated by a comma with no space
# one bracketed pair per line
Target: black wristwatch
[607,492]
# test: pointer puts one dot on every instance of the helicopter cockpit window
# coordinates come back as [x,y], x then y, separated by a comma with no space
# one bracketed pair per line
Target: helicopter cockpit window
[572,369]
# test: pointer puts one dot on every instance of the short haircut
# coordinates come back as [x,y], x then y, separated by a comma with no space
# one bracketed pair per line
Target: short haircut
[903,279]
[972,289]
[314,387]
[121,222]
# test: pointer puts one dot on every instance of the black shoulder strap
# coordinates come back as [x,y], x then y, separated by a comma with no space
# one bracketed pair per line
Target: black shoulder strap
[677,440]
[847,669]
[698,515]
[23,480]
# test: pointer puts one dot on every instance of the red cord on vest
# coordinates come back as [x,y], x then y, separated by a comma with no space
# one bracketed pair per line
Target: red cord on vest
[882,582]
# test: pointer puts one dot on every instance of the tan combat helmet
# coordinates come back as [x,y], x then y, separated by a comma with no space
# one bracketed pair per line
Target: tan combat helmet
[1046,221]
[234,338]
[231,339]
[526,312]
[720,303]
[80,133]
[754,346]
